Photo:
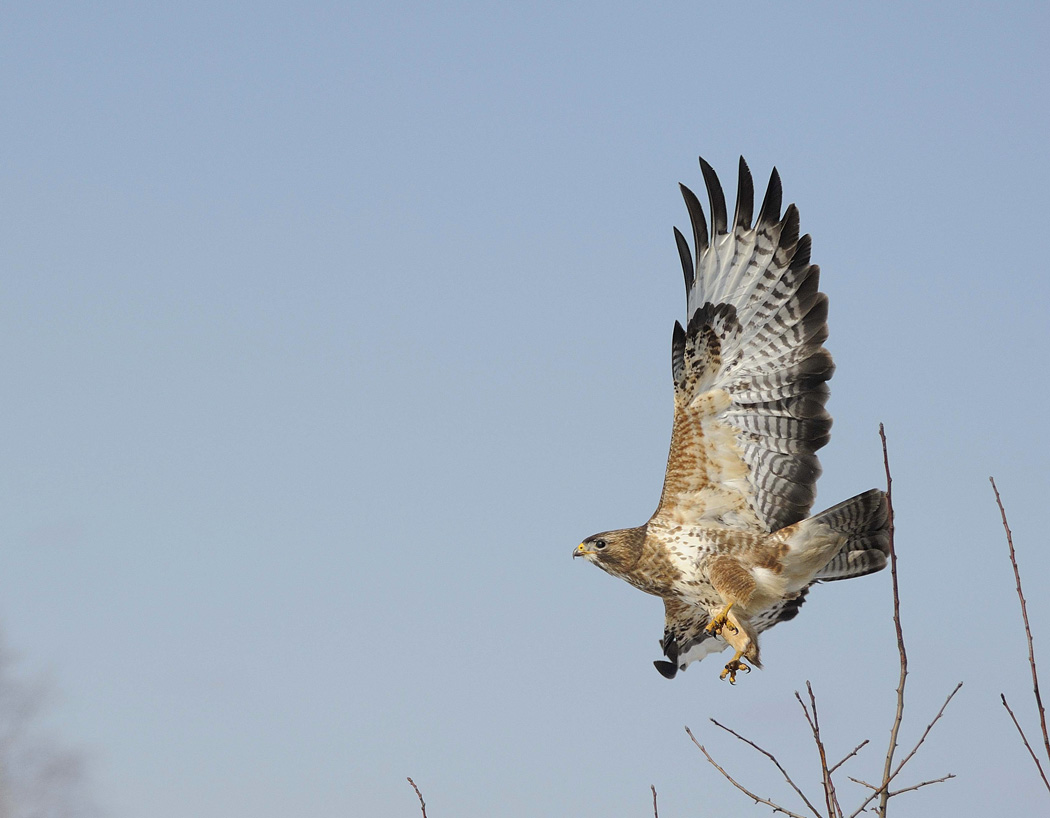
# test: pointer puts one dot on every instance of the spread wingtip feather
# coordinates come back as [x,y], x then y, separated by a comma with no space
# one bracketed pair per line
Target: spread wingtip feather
[696,217]
[770,212]
[745,197]
[719,221]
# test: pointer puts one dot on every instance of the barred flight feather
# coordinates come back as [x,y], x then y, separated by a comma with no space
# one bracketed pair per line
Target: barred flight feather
[755,329]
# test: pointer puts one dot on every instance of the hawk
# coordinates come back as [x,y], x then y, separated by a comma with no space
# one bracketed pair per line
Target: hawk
[731,548]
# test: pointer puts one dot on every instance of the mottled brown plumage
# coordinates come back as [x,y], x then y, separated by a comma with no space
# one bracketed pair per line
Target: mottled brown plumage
[731,548]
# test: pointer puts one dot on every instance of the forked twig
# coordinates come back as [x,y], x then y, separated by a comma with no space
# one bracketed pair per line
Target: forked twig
[884,789]
[905,789]
[830,798]
[756,798]
[926,732]
[772,758]
[419,795]
[1028,635]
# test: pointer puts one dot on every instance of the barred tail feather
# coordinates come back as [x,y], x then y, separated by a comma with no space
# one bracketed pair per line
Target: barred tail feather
[865,520]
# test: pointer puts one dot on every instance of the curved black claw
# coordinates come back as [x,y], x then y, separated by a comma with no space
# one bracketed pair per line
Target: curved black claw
[732,667]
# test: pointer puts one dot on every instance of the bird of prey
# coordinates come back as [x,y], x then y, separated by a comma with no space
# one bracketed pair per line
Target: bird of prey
[731,548]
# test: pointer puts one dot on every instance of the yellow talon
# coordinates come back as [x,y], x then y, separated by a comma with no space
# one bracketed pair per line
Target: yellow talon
[732,667]
[721,621]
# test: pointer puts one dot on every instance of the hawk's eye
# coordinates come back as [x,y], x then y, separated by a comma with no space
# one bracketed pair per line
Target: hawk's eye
[599,544]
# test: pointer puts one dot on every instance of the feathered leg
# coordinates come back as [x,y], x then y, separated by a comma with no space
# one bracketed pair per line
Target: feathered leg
[736,585]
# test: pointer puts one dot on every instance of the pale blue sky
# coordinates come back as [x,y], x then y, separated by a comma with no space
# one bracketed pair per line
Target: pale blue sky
[328,330]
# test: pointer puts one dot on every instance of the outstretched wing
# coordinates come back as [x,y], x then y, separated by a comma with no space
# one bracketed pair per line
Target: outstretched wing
[686,641]
[750,369]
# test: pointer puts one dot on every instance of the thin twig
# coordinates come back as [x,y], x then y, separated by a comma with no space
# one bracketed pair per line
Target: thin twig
[756,798]
[885,787]
[1027,628]
[906,789]
[419,795]
[834,808]
[850,755]
[940,780]
[1024,738]
[656,812]
[926,732]
[884,797]
[830,798]
[772,758]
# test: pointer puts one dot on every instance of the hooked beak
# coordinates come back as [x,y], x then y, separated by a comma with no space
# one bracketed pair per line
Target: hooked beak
[581,551]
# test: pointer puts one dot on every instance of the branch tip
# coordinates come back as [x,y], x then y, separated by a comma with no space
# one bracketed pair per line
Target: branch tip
[419,795]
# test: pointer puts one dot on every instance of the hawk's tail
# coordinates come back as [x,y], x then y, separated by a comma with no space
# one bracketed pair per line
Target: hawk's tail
[865,520]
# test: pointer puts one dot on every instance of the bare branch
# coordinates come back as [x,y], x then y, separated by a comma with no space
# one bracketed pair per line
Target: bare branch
[830,798]
[419,795]
[756,798]
[656,812]
[852,753]
[1027,629]
[926,732]
[886,775]
[906,789]
[776,763]
[940,780]
[1024,738]
[884,789]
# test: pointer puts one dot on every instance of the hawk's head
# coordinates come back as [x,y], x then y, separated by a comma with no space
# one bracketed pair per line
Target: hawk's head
[614,551]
